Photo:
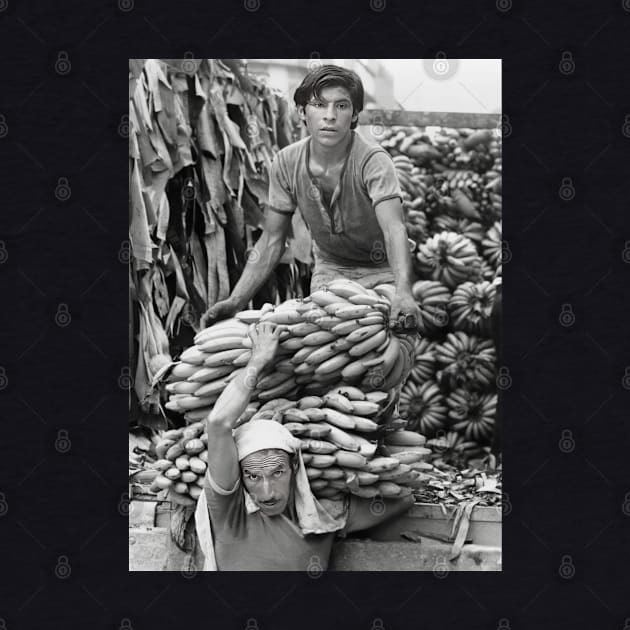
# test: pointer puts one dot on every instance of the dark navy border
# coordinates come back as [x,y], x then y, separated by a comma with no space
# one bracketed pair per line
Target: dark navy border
[566,189]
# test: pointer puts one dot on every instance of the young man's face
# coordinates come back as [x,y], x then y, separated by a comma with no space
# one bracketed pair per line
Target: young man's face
[328,118]
[267,476]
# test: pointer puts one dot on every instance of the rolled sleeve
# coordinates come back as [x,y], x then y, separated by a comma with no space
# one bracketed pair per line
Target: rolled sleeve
[226,507]
[379,178]
[281,197]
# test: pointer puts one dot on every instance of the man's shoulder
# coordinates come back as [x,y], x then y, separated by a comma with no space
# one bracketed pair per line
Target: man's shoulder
[364,148]
[291,151]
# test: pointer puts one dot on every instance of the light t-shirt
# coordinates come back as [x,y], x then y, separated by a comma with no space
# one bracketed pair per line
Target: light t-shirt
[346,231]
[256,542]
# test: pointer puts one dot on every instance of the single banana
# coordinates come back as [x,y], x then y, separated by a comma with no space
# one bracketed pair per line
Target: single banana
[313,314]
[387,291]
[293,414]
[365,299]
[193,355]
[377,397]
[340,438]
[304,369]
[332,309]
[318,338]
[353,311]
[391,354]
[301,354]
[363,333]
[183,387]
[316,430]
[250,317]
[339,402]
[365,346]
[212,388]
[345,288]
[346,459]
[272,380]
[195,402]
[225,357]
[364,424]
[328,322]
[209,334]
[303,328]
[315,414]
[224,343]
[324,298]
[327,351]
[183,371]
[277,404]
[323,447]
[333,365]
[242,359]
[351,393]
[310,402]
[338,418]
[274,392]
[364,408]
[284,316]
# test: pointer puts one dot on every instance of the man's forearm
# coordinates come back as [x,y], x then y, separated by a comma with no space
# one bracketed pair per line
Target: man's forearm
[398,255]
[262,261]
[236,396]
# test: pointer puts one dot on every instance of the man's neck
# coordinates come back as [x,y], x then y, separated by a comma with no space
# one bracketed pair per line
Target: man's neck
[329,156]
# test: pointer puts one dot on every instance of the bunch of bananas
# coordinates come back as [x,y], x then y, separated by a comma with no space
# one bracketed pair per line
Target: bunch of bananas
[417,225]
[339,448]
[423,406]
[492,245]
[433,299]
[470,307]
[337,334]
[465,180]
[182,463]
[491,209]
[456,223]
[470,229]
[466,360]
[408,178]
[473,414]
[447,257]
[482,270]
[203,370]
[450,447]
[448,143]
[412,143]
[424,360]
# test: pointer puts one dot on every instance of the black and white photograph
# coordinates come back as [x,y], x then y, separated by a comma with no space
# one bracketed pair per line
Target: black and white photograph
[315,278]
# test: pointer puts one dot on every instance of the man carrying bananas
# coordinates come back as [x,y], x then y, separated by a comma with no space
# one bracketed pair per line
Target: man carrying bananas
[257,512]
[348,195]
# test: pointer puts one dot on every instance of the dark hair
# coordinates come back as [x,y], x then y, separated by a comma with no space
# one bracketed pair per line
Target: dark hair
[331,76]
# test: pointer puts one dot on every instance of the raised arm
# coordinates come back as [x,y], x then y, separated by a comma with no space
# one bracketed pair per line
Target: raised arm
[222,457]
[263,258]
[389,214]
[261,261]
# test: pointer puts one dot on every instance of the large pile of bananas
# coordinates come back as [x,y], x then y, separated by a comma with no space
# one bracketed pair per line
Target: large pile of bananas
[338,335]
[451,185]
[338,433]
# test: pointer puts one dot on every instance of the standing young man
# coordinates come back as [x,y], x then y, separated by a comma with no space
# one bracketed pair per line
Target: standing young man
[347,191]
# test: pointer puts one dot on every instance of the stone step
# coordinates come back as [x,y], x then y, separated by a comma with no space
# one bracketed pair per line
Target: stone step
[149,551]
